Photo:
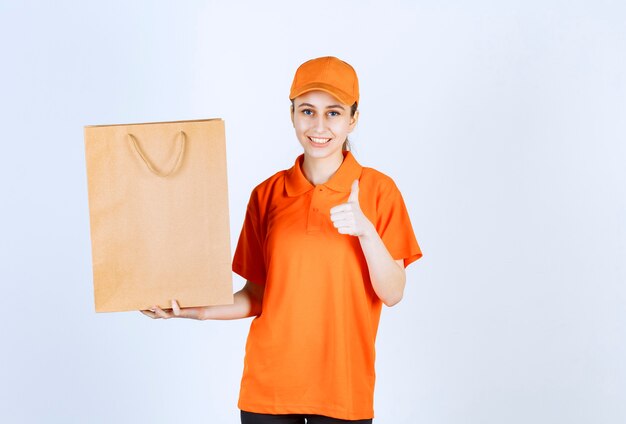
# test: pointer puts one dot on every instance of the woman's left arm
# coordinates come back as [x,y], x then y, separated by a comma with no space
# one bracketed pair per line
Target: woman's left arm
[387,274]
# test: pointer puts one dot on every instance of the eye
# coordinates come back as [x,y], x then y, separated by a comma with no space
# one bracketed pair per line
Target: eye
[334,113]
[307,112]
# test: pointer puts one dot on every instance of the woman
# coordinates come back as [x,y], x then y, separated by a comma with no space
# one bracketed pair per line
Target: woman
[323,245]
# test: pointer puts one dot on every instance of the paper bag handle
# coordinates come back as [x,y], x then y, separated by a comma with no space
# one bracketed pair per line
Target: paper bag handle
[156,172]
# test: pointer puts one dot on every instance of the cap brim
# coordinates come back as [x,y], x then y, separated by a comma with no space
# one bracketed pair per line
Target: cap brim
[340,95]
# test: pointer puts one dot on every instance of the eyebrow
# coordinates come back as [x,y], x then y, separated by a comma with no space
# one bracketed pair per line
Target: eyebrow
[327,107]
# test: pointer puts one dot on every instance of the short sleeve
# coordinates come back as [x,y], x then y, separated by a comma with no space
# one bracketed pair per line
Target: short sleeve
[249,259]
[394,225]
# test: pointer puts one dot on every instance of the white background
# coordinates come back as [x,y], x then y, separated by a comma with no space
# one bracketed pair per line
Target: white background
[503,124]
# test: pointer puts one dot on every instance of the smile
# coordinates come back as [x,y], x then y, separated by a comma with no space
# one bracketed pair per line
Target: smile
[317,140]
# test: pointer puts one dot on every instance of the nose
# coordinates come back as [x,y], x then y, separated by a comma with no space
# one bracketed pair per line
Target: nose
[320,124]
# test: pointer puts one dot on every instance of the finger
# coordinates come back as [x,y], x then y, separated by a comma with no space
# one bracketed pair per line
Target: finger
[354,192]
[338,216]
[161,313]
[346,230]
[344,207]
[149,314]
[175,307]
[344,223]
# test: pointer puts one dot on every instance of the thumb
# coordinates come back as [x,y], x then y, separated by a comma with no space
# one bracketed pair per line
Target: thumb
[354,192]
[175,308]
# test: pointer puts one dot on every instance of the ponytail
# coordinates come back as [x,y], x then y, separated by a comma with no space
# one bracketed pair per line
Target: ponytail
[346,144]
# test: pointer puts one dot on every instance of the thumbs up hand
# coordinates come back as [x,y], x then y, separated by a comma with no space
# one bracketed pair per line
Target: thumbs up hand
[348,217]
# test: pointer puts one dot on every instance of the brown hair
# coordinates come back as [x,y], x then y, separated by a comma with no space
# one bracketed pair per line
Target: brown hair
[346,144]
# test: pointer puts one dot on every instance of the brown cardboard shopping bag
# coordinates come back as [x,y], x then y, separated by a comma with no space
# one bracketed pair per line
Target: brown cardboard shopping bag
[158,209]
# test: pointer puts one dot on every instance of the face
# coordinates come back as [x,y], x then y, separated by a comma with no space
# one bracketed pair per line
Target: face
[322,124]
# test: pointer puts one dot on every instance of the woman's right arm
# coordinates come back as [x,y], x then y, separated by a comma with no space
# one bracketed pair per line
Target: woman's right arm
[247,302]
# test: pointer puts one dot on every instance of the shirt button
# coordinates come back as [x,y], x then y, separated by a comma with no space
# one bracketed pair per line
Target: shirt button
[316,210]
[321,189]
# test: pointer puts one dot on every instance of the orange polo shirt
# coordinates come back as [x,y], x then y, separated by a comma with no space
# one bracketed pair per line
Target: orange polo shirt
[311,351]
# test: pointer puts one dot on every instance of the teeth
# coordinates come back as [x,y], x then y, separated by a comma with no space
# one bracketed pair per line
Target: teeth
[319,140]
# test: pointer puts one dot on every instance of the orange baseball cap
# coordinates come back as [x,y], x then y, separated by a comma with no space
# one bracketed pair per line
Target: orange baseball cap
[328,74]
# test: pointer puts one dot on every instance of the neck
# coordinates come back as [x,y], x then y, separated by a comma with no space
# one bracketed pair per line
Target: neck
[320,170]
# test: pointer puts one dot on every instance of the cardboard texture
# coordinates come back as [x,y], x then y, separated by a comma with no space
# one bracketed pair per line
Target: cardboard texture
[158,209]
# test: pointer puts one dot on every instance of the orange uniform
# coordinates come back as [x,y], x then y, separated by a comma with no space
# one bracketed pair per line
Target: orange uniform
[311,351]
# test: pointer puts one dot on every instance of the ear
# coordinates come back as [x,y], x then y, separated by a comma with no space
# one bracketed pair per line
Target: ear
[353,120]
[291,110]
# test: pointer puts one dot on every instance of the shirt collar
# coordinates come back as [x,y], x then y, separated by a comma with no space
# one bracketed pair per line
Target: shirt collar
[297,184]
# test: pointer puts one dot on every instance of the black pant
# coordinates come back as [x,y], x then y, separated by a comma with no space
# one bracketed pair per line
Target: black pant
[254,418]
